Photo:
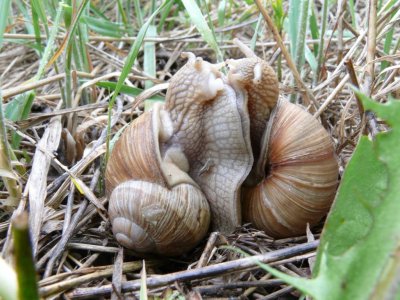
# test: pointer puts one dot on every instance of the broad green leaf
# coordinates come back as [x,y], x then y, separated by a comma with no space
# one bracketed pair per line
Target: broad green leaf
[359,254]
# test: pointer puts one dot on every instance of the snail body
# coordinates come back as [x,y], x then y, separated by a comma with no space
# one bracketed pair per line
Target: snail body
[219,148]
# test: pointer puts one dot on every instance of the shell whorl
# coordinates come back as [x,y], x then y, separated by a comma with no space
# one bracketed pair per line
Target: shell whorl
[154,205]
[300,175]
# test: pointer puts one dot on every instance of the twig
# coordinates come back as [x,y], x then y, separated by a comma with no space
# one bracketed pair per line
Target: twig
[117,275]
[218,288]
[66,284]
[71,229]
[205,256]
[308,96]
[201,273]
[30,86]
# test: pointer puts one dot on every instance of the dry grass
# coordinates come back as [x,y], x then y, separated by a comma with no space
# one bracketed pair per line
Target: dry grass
[76,253]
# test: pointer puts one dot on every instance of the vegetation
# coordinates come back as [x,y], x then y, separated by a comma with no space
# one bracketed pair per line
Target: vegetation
[74,73]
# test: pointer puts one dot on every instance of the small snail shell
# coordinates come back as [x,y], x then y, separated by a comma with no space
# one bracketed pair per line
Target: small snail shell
[154,206]
[300,174]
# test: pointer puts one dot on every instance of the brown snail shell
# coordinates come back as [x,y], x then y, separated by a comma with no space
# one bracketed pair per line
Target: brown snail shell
[301,174]
[154,206]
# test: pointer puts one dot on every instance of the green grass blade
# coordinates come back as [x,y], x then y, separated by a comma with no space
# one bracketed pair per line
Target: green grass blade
[311,59]
[126,89]
[294,16]
[164,16]
[5,6]
[20,107]
[139,14]
[104,27]
[9,179]
[320,56]
[24,263]
[353,14]
[257,31]
[21,8]
[133,53]
[38,8]
[199,21]
[70,33]
[301,34]
[314,30]
[302,19]
[122,12]
[50,43]
[36,29]
[149,60]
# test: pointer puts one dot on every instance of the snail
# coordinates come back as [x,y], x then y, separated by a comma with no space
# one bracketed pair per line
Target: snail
[220,148]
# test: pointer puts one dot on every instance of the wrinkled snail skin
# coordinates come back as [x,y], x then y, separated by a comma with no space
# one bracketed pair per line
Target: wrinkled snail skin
[214,135]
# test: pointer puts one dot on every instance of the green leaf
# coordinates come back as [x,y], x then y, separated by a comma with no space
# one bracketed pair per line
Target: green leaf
[359,254]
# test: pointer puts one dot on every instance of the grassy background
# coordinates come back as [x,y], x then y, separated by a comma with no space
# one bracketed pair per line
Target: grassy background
[70,76]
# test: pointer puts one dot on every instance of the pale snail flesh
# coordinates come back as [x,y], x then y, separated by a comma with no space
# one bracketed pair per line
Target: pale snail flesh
[183,164]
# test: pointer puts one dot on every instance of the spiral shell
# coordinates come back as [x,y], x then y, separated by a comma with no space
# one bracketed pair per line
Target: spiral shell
[300,175]
[154,206]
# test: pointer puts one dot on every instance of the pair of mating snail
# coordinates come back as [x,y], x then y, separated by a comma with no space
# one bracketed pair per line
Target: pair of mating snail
[220,149]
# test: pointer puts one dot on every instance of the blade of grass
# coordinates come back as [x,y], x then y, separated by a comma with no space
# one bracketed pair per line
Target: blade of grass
[5,6]
[301,34]
[20,107]
[314,29]
[149,59]
[133,53]
[320,56]
[199,21]
[36,29]
[353,14]
[9,178]
[294,17]
[24,264]
[70,34]
[21,8]
[257,31]
[122,13]
[164,16]
[300,38]
[139,14]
